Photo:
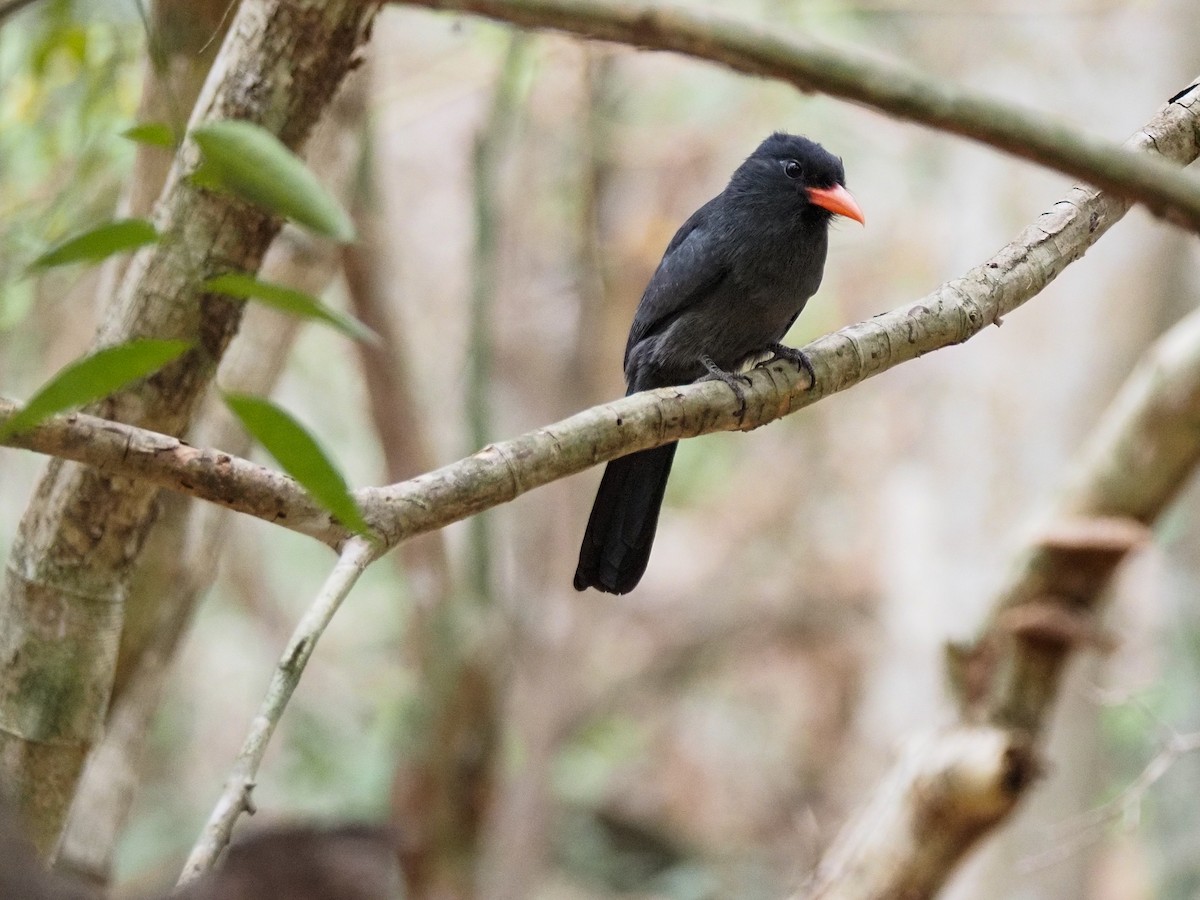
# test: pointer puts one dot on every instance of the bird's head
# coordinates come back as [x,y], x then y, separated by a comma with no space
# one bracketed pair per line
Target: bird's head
[787,165]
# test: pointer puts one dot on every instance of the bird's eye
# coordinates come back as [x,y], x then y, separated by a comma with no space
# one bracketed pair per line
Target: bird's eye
[793,169]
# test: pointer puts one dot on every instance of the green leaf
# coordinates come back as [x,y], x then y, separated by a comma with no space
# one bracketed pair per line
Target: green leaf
[300,455]
[298,303]
[153,134]
[93,377]
[99,243]
[206,177]
[251,162]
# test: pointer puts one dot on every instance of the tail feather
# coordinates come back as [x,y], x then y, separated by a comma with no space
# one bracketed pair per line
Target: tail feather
[620,530]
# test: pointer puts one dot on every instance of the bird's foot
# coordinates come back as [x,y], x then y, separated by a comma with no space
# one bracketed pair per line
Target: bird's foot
[799,357]
[734,382]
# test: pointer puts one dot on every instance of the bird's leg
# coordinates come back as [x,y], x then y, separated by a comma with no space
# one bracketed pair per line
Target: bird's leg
[716,373]
[799,357]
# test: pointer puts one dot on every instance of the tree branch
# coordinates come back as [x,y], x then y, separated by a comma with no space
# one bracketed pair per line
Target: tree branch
[235,798]
[922,820]
[952,314]
[164,461]
[179,564]
[892,88]
[80,538]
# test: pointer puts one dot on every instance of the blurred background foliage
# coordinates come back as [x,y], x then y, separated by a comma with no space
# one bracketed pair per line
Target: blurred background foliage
[705,736]
[70,74]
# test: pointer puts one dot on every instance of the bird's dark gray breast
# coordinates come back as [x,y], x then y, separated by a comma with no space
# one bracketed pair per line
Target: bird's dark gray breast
[766,282]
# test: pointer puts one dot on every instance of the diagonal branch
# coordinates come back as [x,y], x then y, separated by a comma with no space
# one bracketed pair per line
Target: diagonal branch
[955,787]
[892,88]
[950,315]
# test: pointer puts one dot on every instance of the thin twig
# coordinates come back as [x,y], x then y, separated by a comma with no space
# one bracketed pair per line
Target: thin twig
[235,798]
[892,88]
[1085,829]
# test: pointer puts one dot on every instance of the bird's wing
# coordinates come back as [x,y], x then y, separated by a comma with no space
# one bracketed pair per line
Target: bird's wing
[691,266]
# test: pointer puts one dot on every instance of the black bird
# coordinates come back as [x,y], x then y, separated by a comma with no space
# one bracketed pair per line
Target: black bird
[731,283]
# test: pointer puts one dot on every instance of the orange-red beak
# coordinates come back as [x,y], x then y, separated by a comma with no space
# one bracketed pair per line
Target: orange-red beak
[838,201]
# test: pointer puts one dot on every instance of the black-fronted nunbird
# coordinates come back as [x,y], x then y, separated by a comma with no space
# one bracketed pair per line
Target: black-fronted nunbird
[731,283]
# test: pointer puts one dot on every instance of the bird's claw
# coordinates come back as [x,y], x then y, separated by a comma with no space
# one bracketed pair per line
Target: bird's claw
[734,382]
[799,357]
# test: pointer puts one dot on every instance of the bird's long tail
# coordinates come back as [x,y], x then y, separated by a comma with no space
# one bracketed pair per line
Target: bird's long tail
[620,531]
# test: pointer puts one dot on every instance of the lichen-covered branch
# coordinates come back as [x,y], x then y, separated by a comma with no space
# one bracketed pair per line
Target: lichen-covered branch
[892,88]
[953,313]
